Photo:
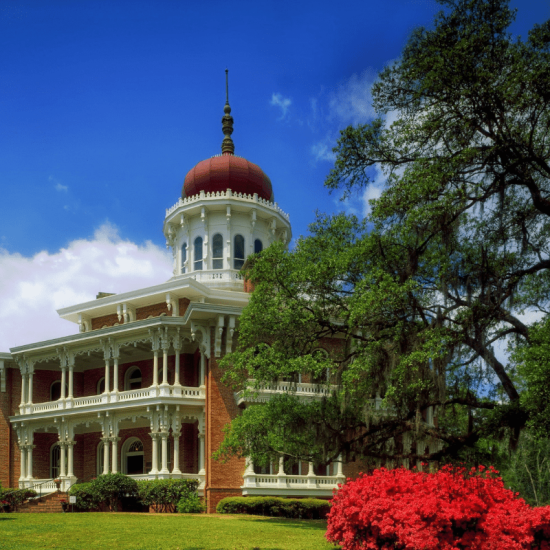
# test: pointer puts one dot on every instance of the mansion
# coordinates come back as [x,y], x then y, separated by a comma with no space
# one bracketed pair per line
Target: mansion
[137,388]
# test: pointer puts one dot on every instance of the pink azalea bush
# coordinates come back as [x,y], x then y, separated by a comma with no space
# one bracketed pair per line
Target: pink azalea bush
[452,508]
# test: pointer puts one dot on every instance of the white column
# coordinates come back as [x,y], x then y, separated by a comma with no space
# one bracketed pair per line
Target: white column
[176,468]
[105,455]
[23,475]
[311,480]
[107,375]
[155,453]
[62,463]
[71,382]
[281,476]
[114,453]
[70,458]
[155,367]
[203,370]
[115,374]
[201,454]
[23,388]
[164,365]
[63,381]
[177,376]
[29,400]
[164,452]
[29,461]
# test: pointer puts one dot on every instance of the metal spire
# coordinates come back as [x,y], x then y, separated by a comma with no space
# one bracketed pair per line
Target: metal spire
[228,147]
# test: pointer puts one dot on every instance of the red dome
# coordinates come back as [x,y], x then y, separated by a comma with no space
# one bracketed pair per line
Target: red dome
[227,172]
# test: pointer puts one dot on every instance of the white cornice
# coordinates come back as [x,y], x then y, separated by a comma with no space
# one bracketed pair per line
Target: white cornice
[186,287]
[196,309]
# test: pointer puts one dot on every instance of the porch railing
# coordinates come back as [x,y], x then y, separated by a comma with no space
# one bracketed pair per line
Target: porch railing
[197,393]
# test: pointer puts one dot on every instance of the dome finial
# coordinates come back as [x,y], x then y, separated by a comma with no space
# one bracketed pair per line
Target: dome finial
[228,147]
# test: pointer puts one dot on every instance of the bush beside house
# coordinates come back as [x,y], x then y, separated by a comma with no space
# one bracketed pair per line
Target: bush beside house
[307,508]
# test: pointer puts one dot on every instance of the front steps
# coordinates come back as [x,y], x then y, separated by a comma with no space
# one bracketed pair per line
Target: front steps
[48,503]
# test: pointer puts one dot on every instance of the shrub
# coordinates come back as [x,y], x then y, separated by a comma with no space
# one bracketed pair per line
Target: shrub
[15,497]
[108,488]
[309,508]
[165,494]
[87,496]
[191,504]
[451,508]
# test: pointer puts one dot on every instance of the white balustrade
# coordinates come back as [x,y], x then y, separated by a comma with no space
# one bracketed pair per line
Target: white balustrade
[225,195]
[173,392]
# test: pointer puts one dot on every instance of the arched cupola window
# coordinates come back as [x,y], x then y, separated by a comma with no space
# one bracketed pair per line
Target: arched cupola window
[198,254]
[258,246]
[183,256]
[238,252]
[217,252]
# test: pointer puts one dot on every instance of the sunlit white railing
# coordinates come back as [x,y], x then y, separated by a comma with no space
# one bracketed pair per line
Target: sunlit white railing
[125,397]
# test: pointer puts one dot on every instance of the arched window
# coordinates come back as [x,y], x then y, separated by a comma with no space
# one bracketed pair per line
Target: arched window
[55,390]
[99,458]
[132,379]
[101,386]
[258,246]
[132,457]
[217,252]
[198,254]
[55,460]
[238,252]
[183,256]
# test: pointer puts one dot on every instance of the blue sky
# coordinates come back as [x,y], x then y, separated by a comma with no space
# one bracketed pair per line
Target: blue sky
[105,106]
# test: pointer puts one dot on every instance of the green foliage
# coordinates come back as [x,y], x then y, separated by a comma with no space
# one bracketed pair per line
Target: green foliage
[533,362]
[307,508]
[15,497]
[165,494]
[527,470]
[191,504]
[422,292]
[108,488]
[88,496]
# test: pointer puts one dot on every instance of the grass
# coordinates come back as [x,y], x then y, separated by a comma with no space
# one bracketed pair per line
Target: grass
[125,531]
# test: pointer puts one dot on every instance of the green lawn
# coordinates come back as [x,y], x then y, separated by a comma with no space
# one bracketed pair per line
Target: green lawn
[96,531]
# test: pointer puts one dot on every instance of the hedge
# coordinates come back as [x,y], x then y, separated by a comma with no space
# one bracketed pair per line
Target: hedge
[165,494]
[309,508]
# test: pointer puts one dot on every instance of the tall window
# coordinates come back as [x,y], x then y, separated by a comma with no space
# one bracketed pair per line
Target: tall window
[55,390]
[198,254]
[55,459]
[238,252]
[258,246]
[132,379]
[183,256]
[101,386]
[99,458]
[217,252]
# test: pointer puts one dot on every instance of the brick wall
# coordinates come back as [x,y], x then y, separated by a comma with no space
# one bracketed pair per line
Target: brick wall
[223,479]
[6,478]
[105,320]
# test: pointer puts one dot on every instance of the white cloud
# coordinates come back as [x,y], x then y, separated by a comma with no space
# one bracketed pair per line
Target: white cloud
[351,103]
[277,100]
[58,185]
[32,288]
[322,150]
